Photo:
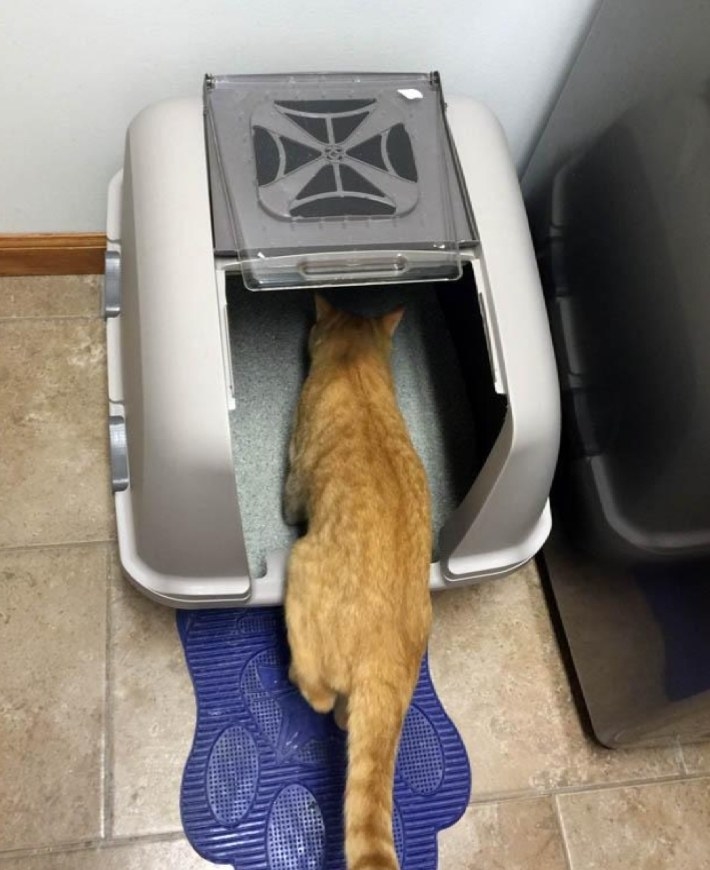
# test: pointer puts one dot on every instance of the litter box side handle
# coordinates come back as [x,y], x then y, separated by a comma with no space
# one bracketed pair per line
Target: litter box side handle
[505,518]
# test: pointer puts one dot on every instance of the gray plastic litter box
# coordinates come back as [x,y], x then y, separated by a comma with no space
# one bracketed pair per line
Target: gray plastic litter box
[227,210]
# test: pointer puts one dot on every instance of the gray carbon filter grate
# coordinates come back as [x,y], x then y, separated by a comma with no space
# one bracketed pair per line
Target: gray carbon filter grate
[317,149]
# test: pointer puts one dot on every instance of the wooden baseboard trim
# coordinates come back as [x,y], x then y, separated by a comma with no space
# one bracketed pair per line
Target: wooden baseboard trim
[52,254]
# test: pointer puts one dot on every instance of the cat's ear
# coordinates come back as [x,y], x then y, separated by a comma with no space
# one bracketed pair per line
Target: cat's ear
[390,321]
[323,307]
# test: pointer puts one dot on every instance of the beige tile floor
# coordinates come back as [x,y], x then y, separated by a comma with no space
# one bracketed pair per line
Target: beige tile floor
[96,710]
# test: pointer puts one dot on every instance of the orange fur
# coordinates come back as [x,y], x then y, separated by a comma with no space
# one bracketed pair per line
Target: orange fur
[358,608]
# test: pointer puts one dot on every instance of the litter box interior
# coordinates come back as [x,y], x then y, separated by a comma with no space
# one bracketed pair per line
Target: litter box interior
[443,381]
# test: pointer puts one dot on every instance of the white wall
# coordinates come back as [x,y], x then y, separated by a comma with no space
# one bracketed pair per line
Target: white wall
[74,72]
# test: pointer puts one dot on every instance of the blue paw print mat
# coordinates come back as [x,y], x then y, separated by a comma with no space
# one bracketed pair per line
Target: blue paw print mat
[263,785]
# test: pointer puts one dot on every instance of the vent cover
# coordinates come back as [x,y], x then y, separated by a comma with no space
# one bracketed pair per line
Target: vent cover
[334,179]
[339,173]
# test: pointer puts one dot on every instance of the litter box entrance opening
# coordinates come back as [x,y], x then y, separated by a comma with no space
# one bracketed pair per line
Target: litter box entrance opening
[442,374]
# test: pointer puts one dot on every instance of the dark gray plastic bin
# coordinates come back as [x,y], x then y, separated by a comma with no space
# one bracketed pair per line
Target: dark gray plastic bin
[628,281]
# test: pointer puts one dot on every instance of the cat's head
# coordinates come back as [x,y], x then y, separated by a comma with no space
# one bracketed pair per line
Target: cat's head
[340,333]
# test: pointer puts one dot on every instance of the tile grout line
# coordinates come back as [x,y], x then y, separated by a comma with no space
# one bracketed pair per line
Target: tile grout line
[58,545]
[107,827]
[504,797]
[562,831]
[86,845]
[23,318]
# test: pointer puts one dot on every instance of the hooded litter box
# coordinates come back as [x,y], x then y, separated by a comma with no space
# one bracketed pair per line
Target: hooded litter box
[228,211]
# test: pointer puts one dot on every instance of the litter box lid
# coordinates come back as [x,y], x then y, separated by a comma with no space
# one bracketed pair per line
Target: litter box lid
[328,179]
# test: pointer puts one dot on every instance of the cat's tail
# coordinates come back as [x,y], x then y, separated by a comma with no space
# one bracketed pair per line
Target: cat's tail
[375,716]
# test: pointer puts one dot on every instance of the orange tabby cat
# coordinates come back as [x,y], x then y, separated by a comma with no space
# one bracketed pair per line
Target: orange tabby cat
[358,608]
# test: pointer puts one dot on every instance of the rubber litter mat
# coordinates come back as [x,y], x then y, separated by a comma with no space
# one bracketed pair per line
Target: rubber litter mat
[263,784]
